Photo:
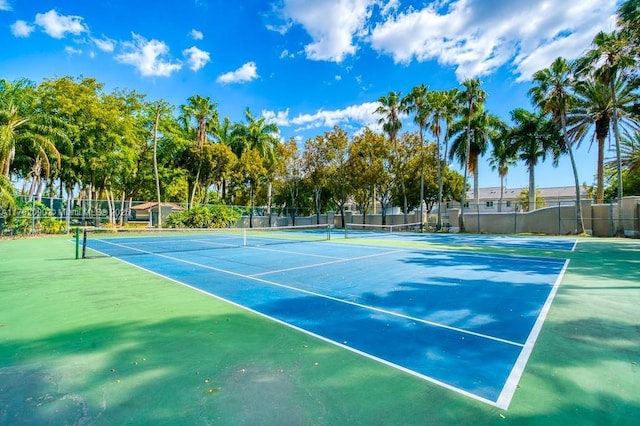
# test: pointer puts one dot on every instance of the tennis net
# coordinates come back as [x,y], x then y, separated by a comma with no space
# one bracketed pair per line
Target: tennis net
[363,230]
[131,241]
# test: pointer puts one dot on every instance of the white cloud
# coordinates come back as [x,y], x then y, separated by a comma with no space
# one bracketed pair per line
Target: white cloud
[4,5]
[69,50]
[391,6]
[281,29]
[57,26]
[21,29]
[148,57]
[105,44]
[196,35]
[354,116]
[332,25]
[479,36]
[286,54]
[245,73]
[196,58]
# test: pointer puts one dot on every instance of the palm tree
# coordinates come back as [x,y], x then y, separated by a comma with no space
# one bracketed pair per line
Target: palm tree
[608,61]
[390,107]
[204,112]
[224,134]
[447,111]
[256,134]
[7,202]
[629,23]
[551,94]
[502,156]
[532,137]
[594,109]
[471,97]
[631,153]
[418,102]
[259,135]
[485,127]
[24,125]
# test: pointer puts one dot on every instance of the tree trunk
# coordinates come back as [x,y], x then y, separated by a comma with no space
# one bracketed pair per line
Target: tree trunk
[501,193]
[251,210]
[193,190]
[579,222]
[532,189]
[68,212]
[123,206]
[440,184]
[155,165]
[616,134]
[317,193]
[476,188]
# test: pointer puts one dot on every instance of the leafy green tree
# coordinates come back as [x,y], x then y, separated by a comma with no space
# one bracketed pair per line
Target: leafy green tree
[471,97]
[526,197]
[364,168]
[224,134]
[484,128]
[205,114]
[27,128]
[261,136]
[502,156]
[335,148]
[418,102]
[253,171]
[288,176]
[608,61]
[390,108]
[444,107]
[532,137]
[551,93]
[594,110]
[315,168]
[629,24]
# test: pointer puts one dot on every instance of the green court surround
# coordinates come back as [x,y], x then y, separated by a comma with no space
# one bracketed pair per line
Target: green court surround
[97,341]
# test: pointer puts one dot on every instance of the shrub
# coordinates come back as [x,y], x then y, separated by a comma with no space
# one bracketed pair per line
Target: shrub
[203,217]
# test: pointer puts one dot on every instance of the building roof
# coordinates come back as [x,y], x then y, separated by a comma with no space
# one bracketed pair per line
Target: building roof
[154,204]
[558,192]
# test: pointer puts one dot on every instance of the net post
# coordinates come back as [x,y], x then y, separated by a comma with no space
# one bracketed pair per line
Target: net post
[84,244]
[328,232]
[77,237]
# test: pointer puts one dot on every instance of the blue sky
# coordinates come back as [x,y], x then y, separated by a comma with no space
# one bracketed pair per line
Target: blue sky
[307,64]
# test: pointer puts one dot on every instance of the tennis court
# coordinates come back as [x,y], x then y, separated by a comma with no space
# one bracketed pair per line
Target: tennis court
[465,321]
[370,330]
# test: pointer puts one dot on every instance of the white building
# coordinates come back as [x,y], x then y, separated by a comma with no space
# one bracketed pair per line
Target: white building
[489,198]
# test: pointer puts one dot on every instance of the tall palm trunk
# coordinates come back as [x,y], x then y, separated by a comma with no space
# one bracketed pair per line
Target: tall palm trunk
[422,177]
[463,197]
[501,193]
[155,165]
[616,134]
[532,188]
[440,183]
[476,187]
[600,172]
[579,222]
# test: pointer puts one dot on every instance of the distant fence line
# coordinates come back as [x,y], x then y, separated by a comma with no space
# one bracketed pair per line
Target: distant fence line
[556,218]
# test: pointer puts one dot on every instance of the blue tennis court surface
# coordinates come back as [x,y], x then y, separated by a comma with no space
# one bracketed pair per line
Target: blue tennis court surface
[465,321]
[505,241]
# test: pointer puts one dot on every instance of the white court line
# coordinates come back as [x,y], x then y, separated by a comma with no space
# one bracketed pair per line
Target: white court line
[339,260]
[297,253]
[317,336]
[511,384]
[324,296]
